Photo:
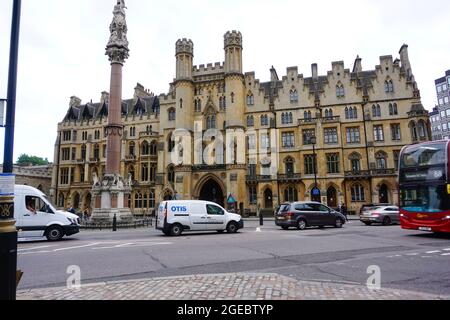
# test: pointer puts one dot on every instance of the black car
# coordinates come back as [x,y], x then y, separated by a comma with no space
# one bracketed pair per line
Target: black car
[302,215]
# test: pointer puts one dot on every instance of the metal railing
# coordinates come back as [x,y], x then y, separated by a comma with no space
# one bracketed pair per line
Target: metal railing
[135,224]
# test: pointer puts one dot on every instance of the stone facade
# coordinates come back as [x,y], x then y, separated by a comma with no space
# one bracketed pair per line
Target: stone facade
[223,135]
[39,177]
[440,117]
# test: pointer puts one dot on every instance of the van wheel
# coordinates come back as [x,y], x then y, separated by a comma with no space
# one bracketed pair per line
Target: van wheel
[387,221]
[301,225]
[232,227]
[176,230]
[54,233]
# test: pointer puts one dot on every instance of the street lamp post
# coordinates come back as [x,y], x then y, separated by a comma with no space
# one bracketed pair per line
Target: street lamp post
[8,232]
[316,191]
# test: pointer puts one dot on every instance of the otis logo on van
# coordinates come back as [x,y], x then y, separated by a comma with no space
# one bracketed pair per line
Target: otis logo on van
[178,209]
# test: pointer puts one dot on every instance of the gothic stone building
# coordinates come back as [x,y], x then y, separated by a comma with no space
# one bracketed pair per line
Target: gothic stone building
[342,131]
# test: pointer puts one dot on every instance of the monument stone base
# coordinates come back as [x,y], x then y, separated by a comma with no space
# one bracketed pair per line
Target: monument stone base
[110,198]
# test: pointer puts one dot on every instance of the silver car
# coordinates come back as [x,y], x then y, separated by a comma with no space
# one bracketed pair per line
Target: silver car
[386,215]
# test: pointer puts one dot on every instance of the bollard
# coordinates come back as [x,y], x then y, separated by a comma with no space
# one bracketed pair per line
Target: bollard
[115,223]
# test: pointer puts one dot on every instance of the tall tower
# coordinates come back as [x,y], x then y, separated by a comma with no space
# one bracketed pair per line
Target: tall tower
[184,84]
[234,80]
[235,110]
[111,194]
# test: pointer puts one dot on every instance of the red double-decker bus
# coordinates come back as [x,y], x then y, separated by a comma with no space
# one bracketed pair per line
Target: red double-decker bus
[425,187]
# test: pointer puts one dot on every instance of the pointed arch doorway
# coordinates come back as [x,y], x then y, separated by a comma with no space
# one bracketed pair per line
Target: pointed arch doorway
[212,191]
[332,200]
[384,194]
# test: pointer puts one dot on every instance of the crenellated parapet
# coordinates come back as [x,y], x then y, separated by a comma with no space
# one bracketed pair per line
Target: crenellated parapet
[233,39]
[185,46]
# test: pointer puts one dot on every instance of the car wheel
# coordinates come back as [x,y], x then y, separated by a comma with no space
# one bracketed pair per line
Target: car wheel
[285,228]
[339,223]
[232,227]
[387,221]
[54,233]
[301,225]
[176,230]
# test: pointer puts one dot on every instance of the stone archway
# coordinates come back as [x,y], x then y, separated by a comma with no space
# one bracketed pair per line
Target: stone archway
[332,197]
[76,201]
[383,194]
[268,199]
[212,191]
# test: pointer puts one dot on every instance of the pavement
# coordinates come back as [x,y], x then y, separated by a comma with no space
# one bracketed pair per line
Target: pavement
[234,286]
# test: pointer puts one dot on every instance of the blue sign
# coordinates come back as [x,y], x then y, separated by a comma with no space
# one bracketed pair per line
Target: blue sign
[178,209]
[315,192]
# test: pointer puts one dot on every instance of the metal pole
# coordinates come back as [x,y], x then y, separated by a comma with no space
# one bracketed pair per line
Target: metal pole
[12,86]
[8,234]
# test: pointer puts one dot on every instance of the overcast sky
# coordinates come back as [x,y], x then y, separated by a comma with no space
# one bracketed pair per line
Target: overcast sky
[62,47]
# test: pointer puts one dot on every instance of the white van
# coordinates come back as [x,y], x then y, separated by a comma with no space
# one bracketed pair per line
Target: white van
[36,217]
[174,217]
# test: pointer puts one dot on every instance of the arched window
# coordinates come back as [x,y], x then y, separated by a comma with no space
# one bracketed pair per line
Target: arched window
[198,105]
[131,173]
[250,99]
[153,148]
[264,120]
[289,166]
[172,114]
[355,161]
[355,112]
[381,159]
[347,113]
[307,115]
[138,200]
[293,96]
[413,128]
[340,91]
[290,118]
[145,148]
[170,143]
[144,172]
[61,201]
[376,111]
[283,118]
[328,113]
[422,130]
[83,152]
[171,174]
[132,149]
[358,193]
[290,194]
[211,122]
[395,109]
[181,103]
[250,121]
[388,86]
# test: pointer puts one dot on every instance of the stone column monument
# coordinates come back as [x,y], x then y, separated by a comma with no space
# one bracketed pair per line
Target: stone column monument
[111,194]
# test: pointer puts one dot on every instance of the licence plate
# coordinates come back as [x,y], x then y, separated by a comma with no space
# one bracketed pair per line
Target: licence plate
[425,229]
[281,218]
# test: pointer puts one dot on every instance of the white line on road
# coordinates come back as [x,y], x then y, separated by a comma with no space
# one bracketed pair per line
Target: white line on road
[448,249]
[445,254]
[78,247]
[412,254]
[35,248]
[34,252]
[134,246]
[431,252]
[124,245]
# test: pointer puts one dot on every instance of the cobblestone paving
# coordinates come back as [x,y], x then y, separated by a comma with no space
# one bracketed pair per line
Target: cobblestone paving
[245,286]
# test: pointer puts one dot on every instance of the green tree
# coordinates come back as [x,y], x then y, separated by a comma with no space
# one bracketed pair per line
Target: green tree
[27,160]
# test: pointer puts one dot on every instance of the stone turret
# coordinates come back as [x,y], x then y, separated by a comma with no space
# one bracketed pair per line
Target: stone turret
[233,52]
[74,102]
[185,57]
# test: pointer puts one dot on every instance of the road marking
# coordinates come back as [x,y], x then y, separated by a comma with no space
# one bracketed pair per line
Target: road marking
[77,247]
[34,252]
[445,254]
[431,252]
[425,257]
[448,249]
[35,248]
[412,254]
[134,246]
[124,245]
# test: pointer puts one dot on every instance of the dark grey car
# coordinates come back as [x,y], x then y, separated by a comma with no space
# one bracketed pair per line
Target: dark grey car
[302,215]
